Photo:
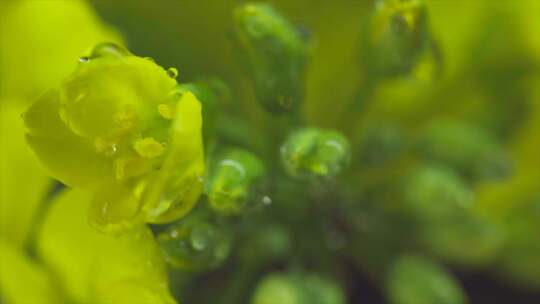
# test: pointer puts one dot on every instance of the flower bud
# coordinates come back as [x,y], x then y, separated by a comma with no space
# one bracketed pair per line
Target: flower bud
[415,280]
[312,152]
[298,288]
[277,289]
[195,244]
[400,38]
[470,150]
[432,194]
[451,241]
[321,290]
[232,181]
[276,55]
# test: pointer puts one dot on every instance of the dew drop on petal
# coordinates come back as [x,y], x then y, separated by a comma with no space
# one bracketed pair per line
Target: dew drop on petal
[172,72]
[109,49]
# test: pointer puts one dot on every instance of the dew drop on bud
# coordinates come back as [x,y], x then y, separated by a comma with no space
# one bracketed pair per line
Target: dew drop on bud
[195,244]
[84,59]
[313,152]
[233,177]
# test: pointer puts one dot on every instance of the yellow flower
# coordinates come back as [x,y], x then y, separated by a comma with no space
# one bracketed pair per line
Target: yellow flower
[104,130]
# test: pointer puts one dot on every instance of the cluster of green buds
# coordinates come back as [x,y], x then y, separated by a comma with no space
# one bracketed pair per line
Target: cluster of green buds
[276,53]
[121,127]
[233,186]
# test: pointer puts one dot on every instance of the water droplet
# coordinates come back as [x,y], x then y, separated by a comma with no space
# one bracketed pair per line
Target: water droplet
[172,72]
[235,165]
[84,59]
[109,49]
[113,208]
[266,200]
[149,59]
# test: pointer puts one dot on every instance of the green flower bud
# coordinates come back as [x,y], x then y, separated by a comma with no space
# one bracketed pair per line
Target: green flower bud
[432,194]
[297,289]
[320,290]
[276,55]
[277,289]
[232,180]
[313,152]
[415,280]
[195,244]
[400,37]
[470,150]
[452,241]
[118,127]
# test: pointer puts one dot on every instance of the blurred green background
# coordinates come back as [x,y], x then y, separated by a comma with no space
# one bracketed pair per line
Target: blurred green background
[445,167]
